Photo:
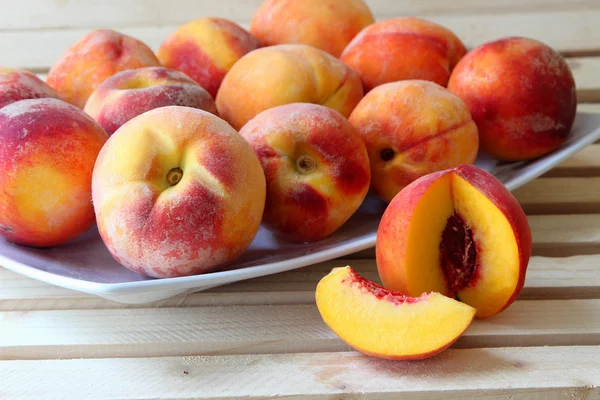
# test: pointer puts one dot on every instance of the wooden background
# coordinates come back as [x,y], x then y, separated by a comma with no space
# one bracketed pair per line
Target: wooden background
[264,338]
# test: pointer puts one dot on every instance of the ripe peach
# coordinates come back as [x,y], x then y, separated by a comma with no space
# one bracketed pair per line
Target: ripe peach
[521,94]
[188,200]
[19,84]
[328,25]
[130,93]
[46,160]
[205,49]
[458,232]
[386,324]
[283,74]
[403,49]
[92,59]
[412,128]
[316,166]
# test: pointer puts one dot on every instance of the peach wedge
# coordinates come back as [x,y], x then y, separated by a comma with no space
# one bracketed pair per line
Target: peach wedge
[385,324]
[458,232]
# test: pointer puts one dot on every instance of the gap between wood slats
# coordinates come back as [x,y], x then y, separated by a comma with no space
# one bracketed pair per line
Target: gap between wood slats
[576,277]
[548,373]
[33,14]
[573,32]
[261,329]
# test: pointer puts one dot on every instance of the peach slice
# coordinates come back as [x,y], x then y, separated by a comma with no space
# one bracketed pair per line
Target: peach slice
[458,232]
[381,323]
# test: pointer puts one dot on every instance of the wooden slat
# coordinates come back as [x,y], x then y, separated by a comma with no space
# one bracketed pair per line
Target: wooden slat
[576,277]
[549,373]
[585,163]
[560,196]
[260,329]
[585,70]
[571,32]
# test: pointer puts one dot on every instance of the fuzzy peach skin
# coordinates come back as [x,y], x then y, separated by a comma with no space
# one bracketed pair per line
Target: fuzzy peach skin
[328,25]
[133,92]
[188,200]
[19,84]
[403,48]
[283,74]
[412,128]
[458,232]
[93,58]
[206,49]
[521,94]
[46,160]
[316,166]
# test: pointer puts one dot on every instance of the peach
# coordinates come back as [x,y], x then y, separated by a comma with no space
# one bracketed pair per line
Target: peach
[328,25]
[130,93]
[205,49]
[521,94]
[412,128]
[386,324]
[316,167]
[93,58]
[19,84]
[458,232]
[188,200]
[48,152]
[282,74]
[403,49]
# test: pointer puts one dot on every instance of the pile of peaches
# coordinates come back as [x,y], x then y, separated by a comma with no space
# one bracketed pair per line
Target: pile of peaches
[178,157]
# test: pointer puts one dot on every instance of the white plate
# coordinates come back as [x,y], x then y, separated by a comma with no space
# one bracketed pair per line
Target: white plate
[86,265]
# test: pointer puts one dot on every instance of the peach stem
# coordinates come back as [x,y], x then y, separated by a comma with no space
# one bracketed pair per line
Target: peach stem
[174,176]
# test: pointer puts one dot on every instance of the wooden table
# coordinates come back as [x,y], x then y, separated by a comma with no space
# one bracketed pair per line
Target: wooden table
[264,338]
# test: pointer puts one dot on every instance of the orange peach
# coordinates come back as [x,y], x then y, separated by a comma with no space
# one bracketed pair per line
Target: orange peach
[93,58]
[412,128]
[19,84]
[188,200]
[288,73]
[403,49]
[48,152]
[130,93]
[328,25]
[316,167]
[206,49]
[386,324]
[521,94]
[458,232]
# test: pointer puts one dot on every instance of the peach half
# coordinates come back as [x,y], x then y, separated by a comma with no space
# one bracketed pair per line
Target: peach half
[130,93]
[282,74]
[386,324]
[316,166]
[177,191]
[458,232]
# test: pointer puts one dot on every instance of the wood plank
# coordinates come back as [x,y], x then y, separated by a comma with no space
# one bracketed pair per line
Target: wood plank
[575,277]
[260,329]
[585,163]
[548,373]
[571,32]
[33,14]
[585,71]
[560,196]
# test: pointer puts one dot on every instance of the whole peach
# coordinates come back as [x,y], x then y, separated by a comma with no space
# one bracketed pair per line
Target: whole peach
[19,84]
[206,49]
[130,93]
[93,58]
[48,152]
[403,49]
[328,25]
[283,74]
[316,166]
[521,94]
[177,191]
[412,128]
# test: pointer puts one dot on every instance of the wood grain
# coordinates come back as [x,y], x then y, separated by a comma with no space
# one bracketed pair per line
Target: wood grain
[260,329]
[585,163]
[560,196]
[549,373]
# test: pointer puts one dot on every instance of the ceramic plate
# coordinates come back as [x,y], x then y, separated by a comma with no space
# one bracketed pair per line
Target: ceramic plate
[85,264]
